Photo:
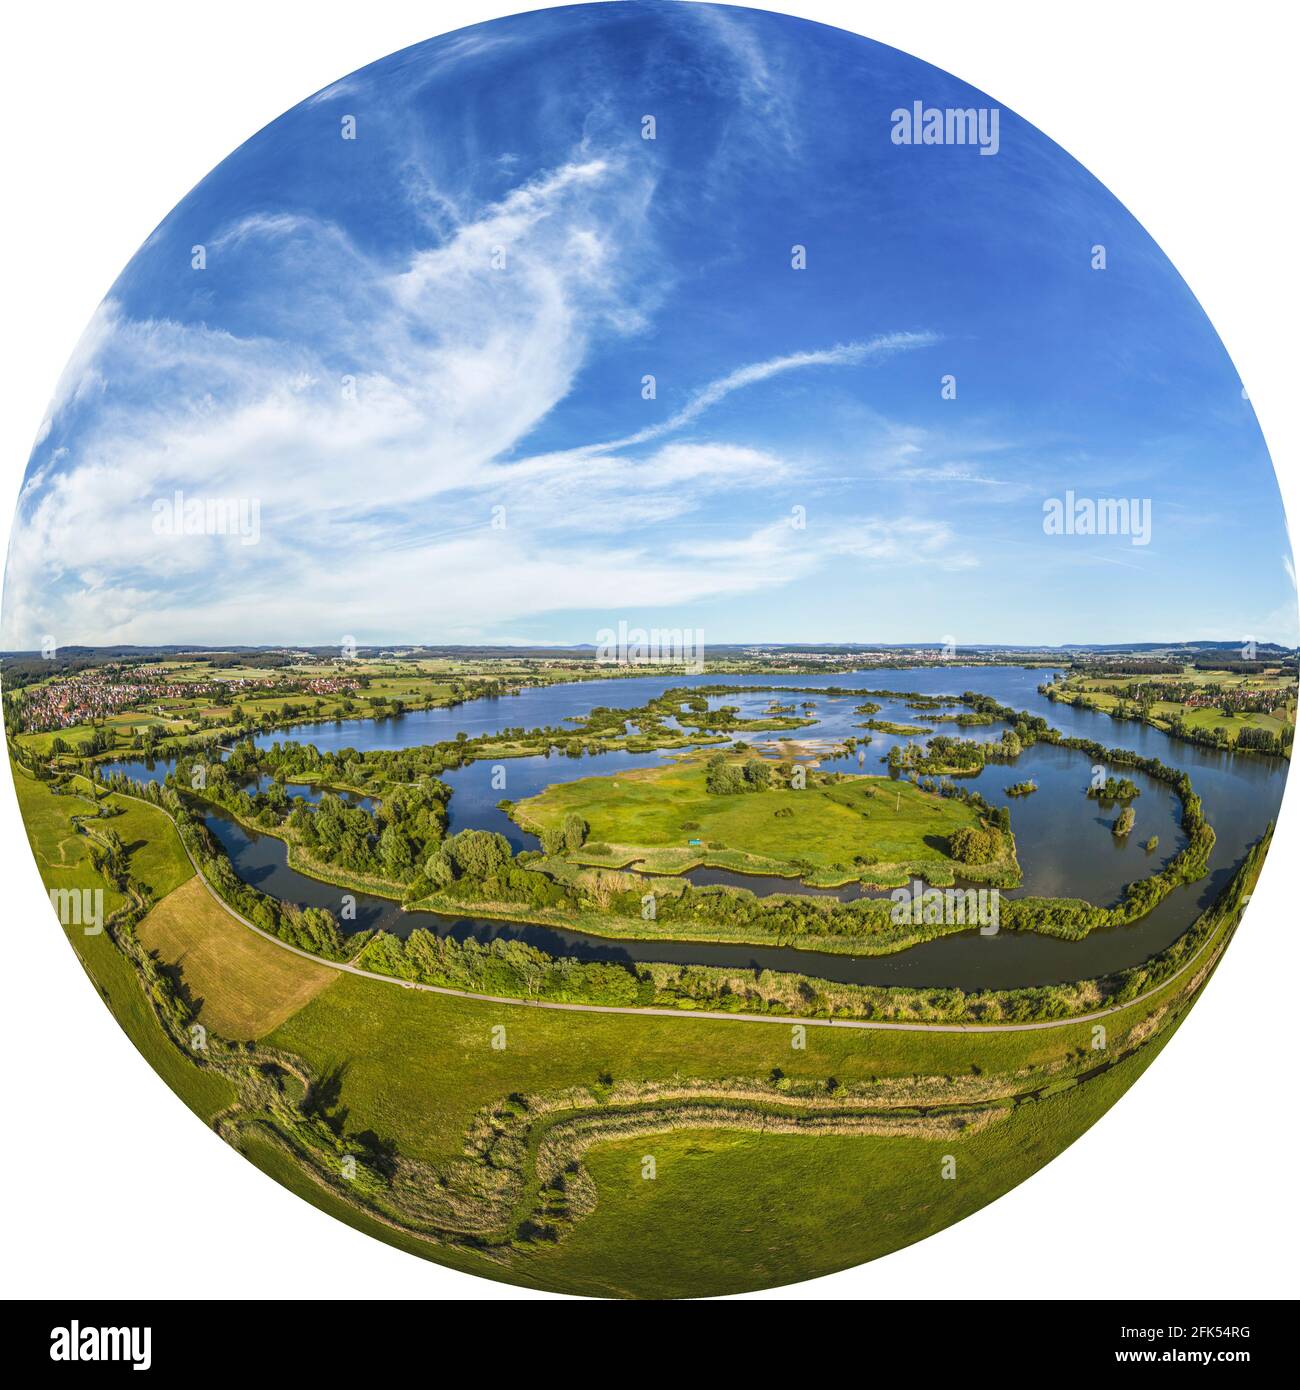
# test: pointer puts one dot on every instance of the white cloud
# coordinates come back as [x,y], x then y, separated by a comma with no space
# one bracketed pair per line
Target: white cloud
[845,354]
[80,377]
[373,421]
[763,89]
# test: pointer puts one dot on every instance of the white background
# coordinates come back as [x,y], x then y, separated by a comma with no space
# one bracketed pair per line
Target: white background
[112,113]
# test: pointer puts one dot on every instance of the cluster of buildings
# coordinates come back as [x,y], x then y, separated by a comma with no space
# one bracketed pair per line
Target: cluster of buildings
[94,695]
[80,699]
[840,659]
[1239,698]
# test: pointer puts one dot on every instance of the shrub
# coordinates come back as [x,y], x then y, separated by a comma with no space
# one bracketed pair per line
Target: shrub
[975,844]
[724,779]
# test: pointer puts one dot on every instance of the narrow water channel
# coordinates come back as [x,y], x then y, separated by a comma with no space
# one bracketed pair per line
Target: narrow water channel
[1063,838]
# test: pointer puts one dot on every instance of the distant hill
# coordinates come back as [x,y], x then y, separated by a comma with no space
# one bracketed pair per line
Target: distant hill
[76,656]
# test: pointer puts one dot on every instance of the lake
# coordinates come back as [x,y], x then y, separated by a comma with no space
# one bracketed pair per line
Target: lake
[1063,838]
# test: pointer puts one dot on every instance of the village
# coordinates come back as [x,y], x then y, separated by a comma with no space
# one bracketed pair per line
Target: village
[91,696]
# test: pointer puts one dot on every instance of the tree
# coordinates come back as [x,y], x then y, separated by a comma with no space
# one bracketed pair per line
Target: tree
[975,844]
[758,774]
[724,779]
[575,831]
[478,853]
[439,869]
[395,851]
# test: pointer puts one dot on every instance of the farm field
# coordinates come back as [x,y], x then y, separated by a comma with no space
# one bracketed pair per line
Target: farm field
[1219,706]
[242,985]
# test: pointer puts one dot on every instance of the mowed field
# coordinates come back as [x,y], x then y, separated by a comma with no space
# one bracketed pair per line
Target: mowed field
[244,985]
[872,819]
[726,1209]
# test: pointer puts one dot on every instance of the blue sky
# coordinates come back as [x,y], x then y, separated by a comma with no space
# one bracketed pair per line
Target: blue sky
[399,338]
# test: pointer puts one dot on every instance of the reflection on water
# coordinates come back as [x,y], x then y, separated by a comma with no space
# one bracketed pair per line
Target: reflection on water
[1064,840]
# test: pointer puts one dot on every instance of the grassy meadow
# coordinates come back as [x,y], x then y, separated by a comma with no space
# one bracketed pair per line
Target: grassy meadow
[730,1211]
[728,1207]
[63,862]
[858,822]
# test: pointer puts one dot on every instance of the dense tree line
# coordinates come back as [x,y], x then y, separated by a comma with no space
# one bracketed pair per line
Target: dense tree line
[403,841]
[1137,702]
[514,969]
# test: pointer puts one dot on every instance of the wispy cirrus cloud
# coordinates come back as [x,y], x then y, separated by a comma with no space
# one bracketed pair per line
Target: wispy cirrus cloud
[419,351]
[377,419]
[752,374]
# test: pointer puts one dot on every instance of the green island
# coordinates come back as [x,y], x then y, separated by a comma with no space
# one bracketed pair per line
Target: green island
[830,828]
[1115,789]
[887,726]
[633,890]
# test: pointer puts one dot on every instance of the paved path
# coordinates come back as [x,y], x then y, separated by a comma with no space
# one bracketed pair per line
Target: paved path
[870,1024]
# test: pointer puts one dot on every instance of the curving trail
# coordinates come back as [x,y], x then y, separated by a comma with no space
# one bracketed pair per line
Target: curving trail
[786,1021]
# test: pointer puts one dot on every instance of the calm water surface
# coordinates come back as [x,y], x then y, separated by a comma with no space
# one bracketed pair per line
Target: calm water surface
[1063,839]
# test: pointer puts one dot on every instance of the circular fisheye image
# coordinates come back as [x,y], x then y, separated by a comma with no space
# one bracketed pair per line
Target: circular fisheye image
[650,650]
